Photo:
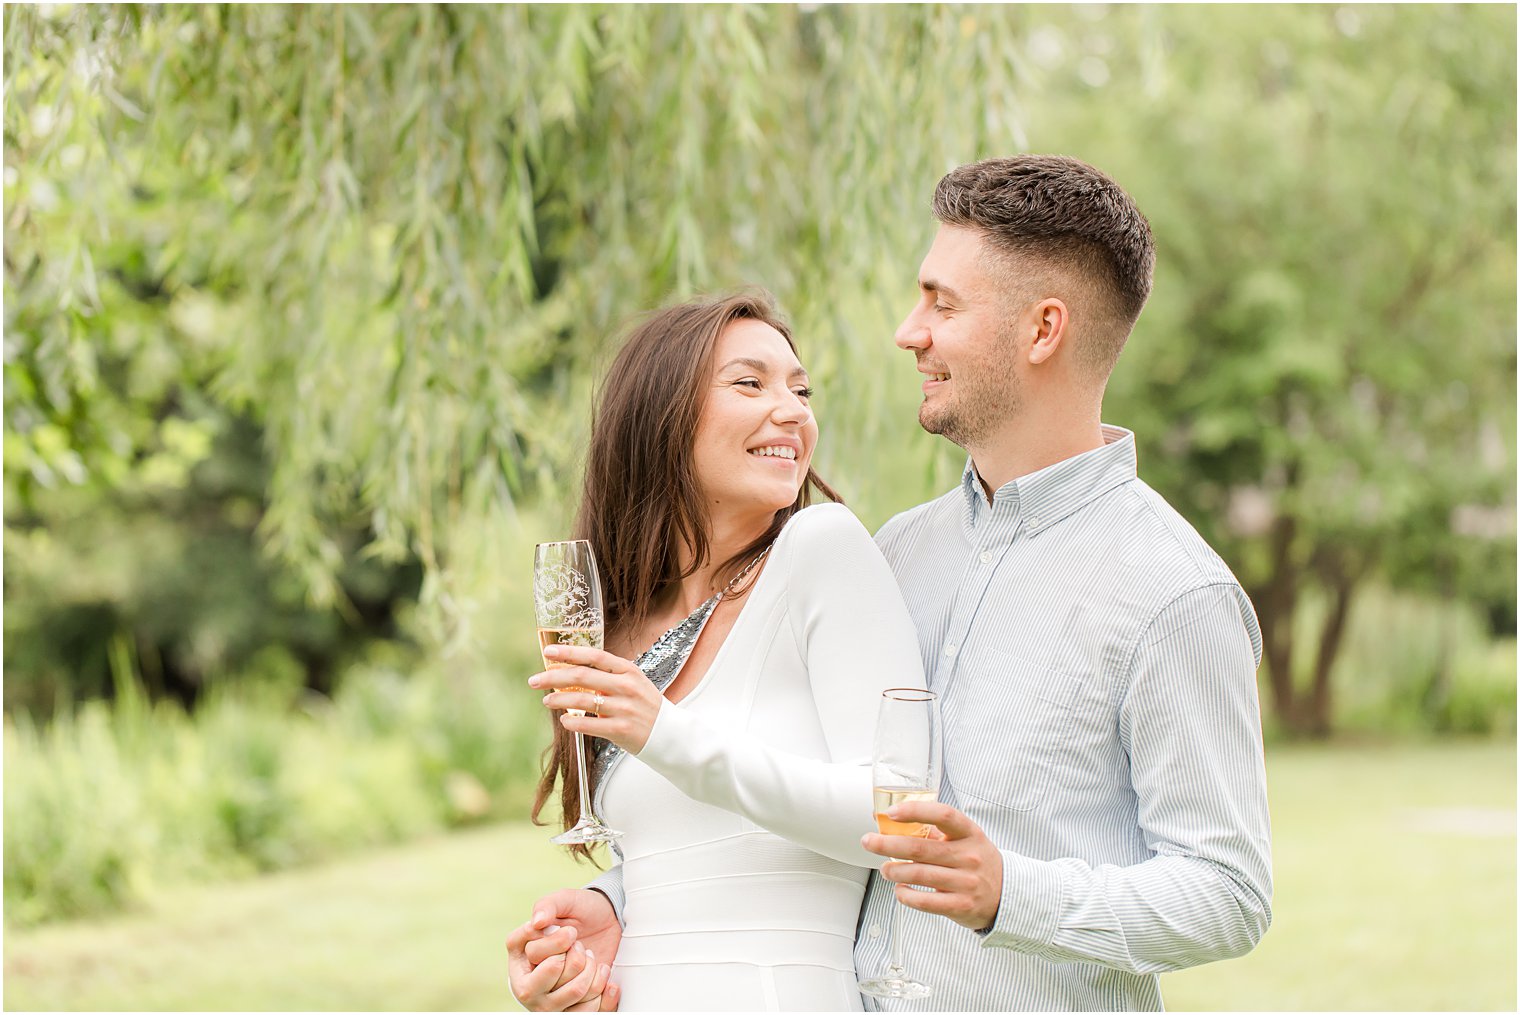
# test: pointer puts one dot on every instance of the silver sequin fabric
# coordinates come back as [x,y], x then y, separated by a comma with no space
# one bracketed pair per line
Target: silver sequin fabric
[660,663]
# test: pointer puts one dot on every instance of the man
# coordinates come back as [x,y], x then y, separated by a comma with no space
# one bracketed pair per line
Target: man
[1103,812]
[1104,798]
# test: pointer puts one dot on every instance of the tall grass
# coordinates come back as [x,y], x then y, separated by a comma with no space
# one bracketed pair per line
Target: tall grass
[110,802]
[104,805]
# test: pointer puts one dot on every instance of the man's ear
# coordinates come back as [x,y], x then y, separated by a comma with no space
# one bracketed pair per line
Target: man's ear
[1048,322]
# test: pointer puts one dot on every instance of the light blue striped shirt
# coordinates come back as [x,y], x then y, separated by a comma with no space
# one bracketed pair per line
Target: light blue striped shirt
[1096,663]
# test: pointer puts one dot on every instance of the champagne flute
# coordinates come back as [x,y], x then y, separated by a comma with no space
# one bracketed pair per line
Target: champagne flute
[567,607]
[905,766]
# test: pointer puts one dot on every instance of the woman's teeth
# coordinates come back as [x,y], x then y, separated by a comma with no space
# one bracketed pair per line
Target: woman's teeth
[775,452]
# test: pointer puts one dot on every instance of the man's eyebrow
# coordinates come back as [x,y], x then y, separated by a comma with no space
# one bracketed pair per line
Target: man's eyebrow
[930,285]
[760,365]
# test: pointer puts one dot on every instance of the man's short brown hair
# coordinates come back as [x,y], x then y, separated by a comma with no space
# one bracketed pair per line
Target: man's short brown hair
[1067,231]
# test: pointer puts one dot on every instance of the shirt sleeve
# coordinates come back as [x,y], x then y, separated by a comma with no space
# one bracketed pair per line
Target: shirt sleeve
[857,640]
[610,884]
[1190,722]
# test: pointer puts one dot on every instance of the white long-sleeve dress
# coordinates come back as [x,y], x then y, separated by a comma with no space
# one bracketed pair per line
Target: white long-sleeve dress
[742,872]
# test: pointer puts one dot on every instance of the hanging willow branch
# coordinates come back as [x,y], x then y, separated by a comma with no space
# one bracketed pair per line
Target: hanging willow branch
[402,236]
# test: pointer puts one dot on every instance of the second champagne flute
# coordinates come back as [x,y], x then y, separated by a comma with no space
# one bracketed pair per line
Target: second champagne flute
[567,606]
[905,766]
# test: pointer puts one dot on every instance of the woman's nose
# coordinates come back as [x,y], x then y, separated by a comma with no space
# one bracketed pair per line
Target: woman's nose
[792,409]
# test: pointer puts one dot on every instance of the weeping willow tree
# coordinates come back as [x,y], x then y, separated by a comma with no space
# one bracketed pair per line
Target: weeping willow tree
[400,240]
[393,246]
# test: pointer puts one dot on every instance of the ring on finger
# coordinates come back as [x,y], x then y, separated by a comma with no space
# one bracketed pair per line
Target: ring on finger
[597,701]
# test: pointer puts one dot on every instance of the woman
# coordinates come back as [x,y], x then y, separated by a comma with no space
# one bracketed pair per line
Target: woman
[749,638]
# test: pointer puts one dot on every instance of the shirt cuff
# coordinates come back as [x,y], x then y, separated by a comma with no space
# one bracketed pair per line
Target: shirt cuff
[1030,908]
[665,736]
[610,887]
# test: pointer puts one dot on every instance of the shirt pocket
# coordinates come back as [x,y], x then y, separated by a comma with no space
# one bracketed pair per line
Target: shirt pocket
[1005,727]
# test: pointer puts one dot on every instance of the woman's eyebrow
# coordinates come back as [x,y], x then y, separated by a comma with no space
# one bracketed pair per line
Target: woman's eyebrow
[760,365]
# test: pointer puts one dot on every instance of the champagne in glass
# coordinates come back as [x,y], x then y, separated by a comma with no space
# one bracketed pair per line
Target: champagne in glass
[567,606]
[890,796]
[547,636]
[905,766]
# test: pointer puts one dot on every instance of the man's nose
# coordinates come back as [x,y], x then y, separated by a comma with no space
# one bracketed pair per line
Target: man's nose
[912,333]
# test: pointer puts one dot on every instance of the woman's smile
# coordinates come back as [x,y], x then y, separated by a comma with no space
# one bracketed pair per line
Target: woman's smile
[778,453]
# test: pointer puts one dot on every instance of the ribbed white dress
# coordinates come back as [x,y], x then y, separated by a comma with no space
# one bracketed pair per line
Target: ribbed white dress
[752,905]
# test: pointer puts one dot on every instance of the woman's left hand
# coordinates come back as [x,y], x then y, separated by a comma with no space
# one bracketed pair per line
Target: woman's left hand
[620,702]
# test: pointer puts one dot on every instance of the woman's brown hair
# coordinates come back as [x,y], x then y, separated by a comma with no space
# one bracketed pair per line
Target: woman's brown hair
[641,504]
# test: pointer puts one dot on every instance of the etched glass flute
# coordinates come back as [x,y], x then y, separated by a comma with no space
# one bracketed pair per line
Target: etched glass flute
[567,606]
[905,765]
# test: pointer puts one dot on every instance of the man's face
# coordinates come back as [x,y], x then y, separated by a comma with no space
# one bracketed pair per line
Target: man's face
[961,332]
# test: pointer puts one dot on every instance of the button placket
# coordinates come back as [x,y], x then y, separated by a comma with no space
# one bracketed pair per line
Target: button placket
[966,607]
[968,600]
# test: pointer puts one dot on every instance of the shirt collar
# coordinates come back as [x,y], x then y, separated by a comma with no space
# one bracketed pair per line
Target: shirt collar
[1049,495]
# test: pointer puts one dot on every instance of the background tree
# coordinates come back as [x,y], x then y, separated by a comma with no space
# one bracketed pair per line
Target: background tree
[1324,381]
[396,241]
[389,247]
[304,305]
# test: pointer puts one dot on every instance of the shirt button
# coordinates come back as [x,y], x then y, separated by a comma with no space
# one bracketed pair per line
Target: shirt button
[1034,523]
[875,930]
[950,649]
[986,556]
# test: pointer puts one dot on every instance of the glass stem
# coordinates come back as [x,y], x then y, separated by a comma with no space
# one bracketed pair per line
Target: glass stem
[586,818]
[896,970]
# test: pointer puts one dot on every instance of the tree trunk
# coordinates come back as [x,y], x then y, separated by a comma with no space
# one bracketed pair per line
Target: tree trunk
[1317,719]
[1439,691]
[1277,603]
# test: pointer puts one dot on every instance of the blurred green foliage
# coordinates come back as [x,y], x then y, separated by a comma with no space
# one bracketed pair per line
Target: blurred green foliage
[165,579]
[304,309]
[103,805]
[396,243]
[1417,665]
[108,802]
[1324,380]
[403,237]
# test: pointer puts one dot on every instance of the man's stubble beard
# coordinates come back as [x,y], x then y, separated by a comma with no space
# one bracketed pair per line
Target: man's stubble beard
[969,421]
[979,407]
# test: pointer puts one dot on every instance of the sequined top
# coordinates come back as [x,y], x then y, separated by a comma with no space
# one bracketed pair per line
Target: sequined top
[660,663]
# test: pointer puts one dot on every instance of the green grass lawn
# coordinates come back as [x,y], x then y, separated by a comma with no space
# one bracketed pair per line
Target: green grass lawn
[1395,885]
[1395,874]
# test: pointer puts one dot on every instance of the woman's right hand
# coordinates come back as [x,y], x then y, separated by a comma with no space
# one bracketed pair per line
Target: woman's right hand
[561,959]
[620,702]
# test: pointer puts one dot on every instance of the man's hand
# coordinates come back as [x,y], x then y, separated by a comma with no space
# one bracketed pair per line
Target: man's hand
[561,959]
[963,866]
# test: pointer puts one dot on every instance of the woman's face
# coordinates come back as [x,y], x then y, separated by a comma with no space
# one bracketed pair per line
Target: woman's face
[756,434]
